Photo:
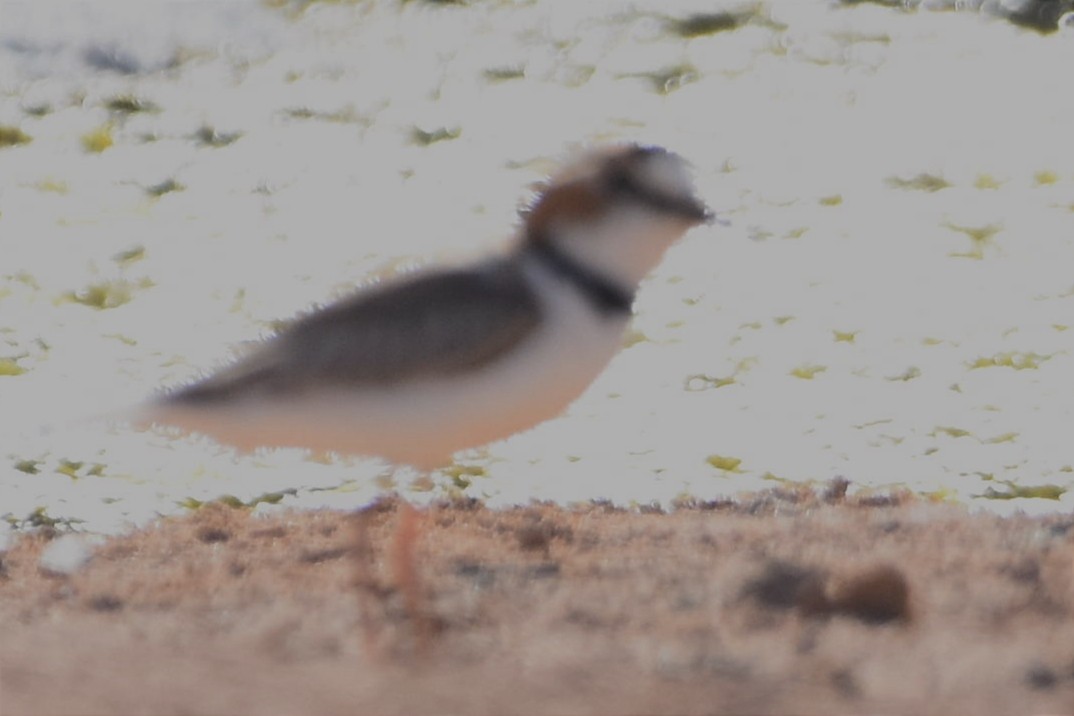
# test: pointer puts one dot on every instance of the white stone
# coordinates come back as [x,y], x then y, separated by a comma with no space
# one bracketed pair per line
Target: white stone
[67,554]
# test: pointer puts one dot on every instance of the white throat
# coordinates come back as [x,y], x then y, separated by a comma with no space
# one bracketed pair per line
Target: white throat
[622,246]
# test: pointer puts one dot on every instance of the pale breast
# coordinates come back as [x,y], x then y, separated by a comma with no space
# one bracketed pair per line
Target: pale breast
[423,422]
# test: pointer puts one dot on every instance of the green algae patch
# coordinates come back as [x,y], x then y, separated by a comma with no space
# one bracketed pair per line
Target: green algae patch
[10,367]
[703,24]
[504,74]
[1017,361]
[125,340]
[808,372]
[271,498]
[986,181]
[30,467]
[41,518]
[52,186]
[1043,492]
[165,187]
[922,182]
[106,294]
[844,336]
[980,238]
[942,495]
[69,468]
[101,296]
[951,432]
[130,256]
[129,104]
[77,468]
[13,137]
[833,200]
[906,376]
[424,138]
[725,463]
[97,140]
[1045,178]
[344,116]
[461,475]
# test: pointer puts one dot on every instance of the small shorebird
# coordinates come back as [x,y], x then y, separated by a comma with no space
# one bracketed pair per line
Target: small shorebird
[419,368]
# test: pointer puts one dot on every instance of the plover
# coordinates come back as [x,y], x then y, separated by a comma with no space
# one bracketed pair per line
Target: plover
[417,369]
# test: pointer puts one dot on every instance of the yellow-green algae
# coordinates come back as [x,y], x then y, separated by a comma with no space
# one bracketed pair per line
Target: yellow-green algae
[1045,177]
[74,469]
[97,140]
[424,138]
[110,294]
[165,187]
[951,431]
[129,104]
[13,136]
[130,256]
[10,367]
[52,186]
[504,74]
[725,463]
[702,24]
[921,182]
[986,181]
[907,375]
[270,498]
[808,372]
[30,467]
[1046,492]
[1018,361]
[460,474]
[980,238]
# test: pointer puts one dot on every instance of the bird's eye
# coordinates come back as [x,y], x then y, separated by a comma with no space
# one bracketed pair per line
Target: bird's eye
[622,183]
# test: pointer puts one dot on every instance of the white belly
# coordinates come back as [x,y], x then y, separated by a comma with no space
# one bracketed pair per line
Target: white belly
[423,423]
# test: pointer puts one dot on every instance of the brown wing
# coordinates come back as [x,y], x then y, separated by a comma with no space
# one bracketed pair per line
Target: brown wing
[433,324]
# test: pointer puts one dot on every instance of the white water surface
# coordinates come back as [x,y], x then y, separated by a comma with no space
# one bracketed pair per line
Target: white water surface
[890,298]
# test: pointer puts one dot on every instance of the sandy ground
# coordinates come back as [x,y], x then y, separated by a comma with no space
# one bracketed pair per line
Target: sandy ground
[889,299]
[782,602]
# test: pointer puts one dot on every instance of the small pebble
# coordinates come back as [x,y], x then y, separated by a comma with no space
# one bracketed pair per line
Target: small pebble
[1040,677]
[878,595]
[784,585]
[65,555]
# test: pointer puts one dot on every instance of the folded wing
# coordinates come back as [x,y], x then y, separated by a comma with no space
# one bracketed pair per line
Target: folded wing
[433,324]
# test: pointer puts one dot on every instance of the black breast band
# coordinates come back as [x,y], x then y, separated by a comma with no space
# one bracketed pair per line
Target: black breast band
[602,293]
